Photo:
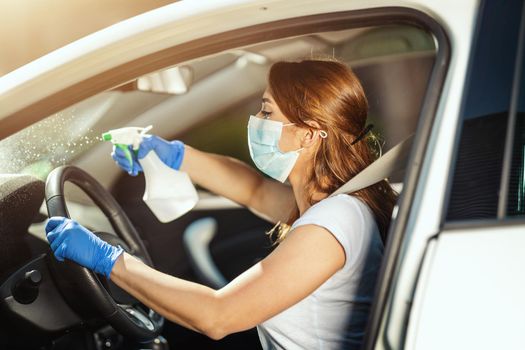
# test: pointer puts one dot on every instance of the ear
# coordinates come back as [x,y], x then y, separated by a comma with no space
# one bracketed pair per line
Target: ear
[311,135]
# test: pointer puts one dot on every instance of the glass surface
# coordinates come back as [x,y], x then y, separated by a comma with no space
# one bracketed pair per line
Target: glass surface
[64,136]
[393,63]
[516,199]
[53,141]
[475,187]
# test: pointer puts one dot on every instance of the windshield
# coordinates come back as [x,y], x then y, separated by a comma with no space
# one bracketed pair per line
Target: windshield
[55,140]
[62,137]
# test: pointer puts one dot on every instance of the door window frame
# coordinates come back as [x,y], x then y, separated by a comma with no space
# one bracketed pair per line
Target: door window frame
[501,218]
[279,30]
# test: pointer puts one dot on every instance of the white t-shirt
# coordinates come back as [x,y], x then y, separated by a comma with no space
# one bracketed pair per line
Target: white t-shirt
[334,316]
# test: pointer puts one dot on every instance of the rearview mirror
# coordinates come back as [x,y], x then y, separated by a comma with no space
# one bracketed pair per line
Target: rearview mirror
[175,80]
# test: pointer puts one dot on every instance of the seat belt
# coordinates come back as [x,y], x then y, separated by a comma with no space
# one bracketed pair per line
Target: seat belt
[390,162]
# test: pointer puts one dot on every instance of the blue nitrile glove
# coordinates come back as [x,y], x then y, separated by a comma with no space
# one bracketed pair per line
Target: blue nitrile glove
[70,240]
[170,153]
[119,157]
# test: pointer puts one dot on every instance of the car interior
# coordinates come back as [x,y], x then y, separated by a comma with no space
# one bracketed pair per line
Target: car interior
[205,102]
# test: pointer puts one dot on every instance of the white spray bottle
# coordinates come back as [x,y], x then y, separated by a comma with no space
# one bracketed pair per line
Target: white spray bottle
[169,193]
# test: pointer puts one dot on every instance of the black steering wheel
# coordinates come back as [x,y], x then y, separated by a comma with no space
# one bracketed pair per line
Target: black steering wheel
[92,295]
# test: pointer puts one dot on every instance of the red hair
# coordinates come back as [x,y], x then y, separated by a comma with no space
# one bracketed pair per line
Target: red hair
[329,93]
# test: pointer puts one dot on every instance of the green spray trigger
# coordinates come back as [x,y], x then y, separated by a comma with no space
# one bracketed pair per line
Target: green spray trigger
[124,137]
[127,153]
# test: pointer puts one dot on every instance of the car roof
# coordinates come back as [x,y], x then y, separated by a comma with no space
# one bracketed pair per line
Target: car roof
[73,72]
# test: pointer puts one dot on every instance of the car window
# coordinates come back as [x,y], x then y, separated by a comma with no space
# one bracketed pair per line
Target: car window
[49,143]
[393,62]
[480,186]
[64,136]
[516,187]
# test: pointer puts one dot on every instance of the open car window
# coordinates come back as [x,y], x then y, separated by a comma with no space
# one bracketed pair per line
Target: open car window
[394,64]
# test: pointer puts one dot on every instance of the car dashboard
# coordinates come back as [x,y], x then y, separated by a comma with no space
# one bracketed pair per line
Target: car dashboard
[33,312]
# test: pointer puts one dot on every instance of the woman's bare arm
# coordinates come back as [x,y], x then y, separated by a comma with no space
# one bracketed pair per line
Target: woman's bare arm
[298,266]
[236,180]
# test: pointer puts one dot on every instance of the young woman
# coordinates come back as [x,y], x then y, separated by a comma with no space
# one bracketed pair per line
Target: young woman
[314,290]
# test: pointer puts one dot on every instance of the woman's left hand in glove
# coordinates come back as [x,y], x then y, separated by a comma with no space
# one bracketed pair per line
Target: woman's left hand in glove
[70,240]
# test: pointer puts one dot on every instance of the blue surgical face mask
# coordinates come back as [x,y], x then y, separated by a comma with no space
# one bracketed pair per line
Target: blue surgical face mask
[263,142]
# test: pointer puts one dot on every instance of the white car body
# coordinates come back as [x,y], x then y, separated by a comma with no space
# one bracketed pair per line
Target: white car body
[437,263]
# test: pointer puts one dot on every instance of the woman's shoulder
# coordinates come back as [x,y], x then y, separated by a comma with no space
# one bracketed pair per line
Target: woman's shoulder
[346,212]
[343,205]
[348,219]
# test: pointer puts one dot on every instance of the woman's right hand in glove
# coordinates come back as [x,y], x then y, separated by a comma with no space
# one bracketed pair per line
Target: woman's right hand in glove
[170,153]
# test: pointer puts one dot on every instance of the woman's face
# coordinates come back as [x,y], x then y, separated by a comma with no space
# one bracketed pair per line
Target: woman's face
[289,140]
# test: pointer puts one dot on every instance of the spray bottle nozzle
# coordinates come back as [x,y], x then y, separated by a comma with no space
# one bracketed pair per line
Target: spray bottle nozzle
[124,137]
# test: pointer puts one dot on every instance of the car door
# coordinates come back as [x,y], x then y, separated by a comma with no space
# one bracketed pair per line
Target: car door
[472,284]
[389,73]
[467,289]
